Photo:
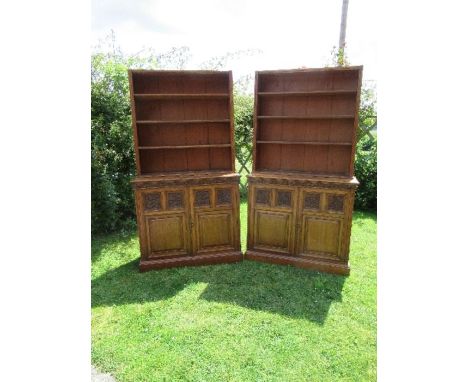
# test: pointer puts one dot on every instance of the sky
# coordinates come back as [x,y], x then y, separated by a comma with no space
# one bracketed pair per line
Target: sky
[284,34]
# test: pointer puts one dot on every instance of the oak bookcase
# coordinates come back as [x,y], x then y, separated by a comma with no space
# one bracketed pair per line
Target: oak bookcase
[186,188]
[301,190]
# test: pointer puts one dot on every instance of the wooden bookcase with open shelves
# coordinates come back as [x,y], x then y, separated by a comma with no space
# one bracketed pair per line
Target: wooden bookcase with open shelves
[186,188]
[304,144]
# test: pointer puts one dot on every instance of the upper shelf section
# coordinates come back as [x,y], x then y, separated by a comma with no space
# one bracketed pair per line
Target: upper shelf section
[306,120]
[182,120]
[180,83]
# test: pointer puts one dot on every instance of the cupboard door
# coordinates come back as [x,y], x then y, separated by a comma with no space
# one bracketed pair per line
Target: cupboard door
[167,234]
[213,231]
[273,231]
[163,221]
[272,218]
[321,223]
[320,236]
[213,219]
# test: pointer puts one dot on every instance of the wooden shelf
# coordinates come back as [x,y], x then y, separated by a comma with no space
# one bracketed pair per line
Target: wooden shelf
[300,175]
[148,122]
[307,143]
[155,96]
[176,174]
[308,93]
[184,147]
[305,117]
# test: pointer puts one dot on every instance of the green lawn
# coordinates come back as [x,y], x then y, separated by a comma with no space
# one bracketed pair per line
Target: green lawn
[238,322]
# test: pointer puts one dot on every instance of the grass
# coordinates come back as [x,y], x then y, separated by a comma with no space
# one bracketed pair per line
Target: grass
[239,322]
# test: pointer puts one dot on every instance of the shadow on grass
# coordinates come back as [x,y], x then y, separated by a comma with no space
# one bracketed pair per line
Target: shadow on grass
[277,289]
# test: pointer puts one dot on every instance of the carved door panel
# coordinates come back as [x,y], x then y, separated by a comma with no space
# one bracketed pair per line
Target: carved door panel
[273,231]
[321,224]
[167,234]
[273,219]
[213,231]
[166,222]
[213,225]
[320,237]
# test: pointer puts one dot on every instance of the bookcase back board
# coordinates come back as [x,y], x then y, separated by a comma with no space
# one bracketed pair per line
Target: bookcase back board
[182,121]
[305,120]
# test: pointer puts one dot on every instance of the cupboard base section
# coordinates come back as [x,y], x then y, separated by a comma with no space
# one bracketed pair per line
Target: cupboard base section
[317,265]
[301,220]
[187,219]
[183,261]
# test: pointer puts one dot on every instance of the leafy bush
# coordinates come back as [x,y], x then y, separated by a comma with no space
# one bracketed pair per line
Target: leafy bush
[365,164]
[112,154]
[243,125]
[243,132]
[111,145]
[366,172]
[104,201]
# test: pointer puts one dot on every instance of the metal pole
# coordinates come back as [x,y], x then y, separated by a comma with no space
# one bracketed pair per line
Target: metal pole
[344,16]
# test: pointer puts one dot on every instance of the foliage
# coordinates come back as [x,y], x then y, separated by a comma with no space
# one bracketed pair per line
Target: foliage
[104,201]
[238,322]
[221,62]
[338,57]
[111,144]
[367,109]
[243,134]
[175,58]
[243,120]
[366,149]
[112,154]
[366,172]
